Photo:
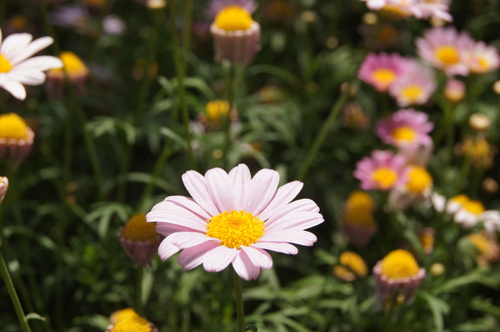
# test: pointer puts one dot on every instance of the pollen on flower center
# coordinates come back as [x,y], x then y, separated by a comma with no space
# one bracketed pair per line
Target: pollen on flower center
[460,199]
[404,133]
[5,65]
[412,92]
[448,55]
[474,207]
[132,324]
[385,177]
[419,179]
[13,127]
[399,264]
[384,76]
[217,108]
[233,18]
[235,228]
[137,229]
[72,64]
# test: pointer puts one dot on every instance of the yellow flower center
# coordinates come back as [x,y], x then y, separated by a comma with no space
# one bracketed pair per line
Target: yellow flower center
[412,92]
[404,133]
[385,177]
[233,18]
[480,242]
[138,230]
[482,65]
[427,240]
[474,207]
[448,55]
[384,76]
[476,148]
[351,262]
[5,65]
[360,200]
[73,65]
[360,217]
[13,127]
[460,199]
[122,314]
[235,228]
[418,179]
[399,265]
[217,108]
[132,324]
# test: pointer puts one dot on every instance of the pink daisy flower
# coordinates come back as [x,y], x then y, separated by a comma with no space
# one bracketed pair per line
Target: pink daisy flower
[216,6]
[482,58]
[446,49]
[432,8]
[382,170]
[406,127]
[382,70]
[414,87]
[375,4]
[233,219]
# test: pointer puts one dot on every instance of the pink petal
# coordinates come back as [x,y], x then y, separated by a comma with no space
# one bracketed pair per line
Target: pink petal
[219,258]
[192,257]
[189,204]
[174,214]
[239,178]
[167,249]
[292,236]
[167,229]
[219,188]
[283,196]
[184,240]
[305,205]
[261,190]
[258,257]
[244,266]
[296,220]
[283,247]
[195,185]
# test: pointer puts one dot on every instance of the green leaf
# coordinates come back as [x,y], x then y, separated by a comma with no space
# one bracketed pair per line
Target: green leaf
[35,316]
[438,307]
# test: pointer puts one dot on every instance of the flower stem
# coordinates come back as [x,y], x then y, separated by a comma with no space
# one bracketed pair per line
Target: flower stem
[240,310]
[13,295]
[327,126]
[138,290]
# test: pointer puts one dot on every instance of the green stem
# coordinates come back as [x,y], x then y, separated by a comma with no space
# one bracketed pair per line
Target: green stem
[138,291]
[327,126]
[13,295]
[240,310]
[450,135]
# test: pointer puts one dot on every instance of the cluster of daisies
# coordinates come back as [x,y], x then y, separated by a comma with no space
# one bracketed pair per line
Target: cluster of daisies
[421,9]
[411,82]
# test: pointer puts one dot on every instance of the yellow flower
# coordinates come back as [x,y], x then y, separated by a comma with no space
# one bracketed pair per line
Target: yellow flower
[350,262]
[399,265]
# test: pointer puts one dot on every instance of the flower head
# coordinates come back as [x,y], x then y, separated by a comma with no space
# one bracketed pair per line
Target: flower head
[446,49]
[233,218]
[75,69]
[382,170]
[382,70]
[127,320]
[416,190]
[216,6]
[415,86]
[405,127]
[482,58]
[357,222]
[16,66]
[351,266]
[454,90]
[139,239]
[16,138]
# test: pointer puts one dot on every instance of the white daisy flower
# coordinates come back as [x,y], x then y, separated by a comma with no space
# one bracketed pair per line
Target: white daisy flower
[16,66]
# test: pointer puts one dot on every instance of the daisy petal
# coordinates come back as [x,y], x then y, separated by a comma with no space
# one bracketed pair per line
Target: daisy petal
[192,257]
[173,214]
[34,47]
[41,63]
[14,44]
[29,77]
[184,240]
[244,267]
[195,185]
[239,178]
[219,258]
[300,205]
[217,182]
[297,220]
[283,247]
[15,88]
[258,257]
[292,236]
[261,190]
[283,196]
[167,249]
[189,204]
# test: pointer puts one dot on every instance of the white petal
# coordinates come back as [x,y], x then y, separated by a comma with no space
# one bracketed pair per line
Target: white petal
[189,204]
[195,185]
[292,236]
[32,48]
[192,257]
[41,63]
[296,220]
[167,249]
[240,178]
[283,247]
[218,186]
[244,267]
[258,257]
[261,190]
[14,44]
[184,240]
[174,214]
[219,258]
[301,205]
[167,229]
[283,196]
[15,88]
[28,77]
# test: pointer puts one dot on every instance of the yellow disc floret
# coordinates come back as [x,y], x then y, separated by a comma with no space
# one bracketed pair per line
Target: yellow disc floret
[120,315]
[72,64]
[384,177]
[384,76]
[360,200]
[233,18]
[235,228]
[460,199]
[5,65]
[137,229]
[13,127]
[448,55]
[404,133]
[474,207]
[359,217]
[132,324]
[480,242]
[216,109]
[399,264]
[418,179]
[412,92]
[351,262]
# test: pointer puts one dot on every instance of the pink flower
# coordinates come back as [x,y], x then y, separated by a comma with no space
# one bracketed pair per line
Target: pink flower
[446,49]
[432,8]
[454,90]
[382,170]
[233,219]
[482,58]
[216,6]
[406,127]
[414,87]
[382,70]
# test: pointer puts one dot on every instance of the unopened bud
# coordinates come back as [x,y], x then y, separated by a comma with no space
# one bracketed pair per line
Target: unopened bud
[156,4]
[479,122]
[454,91]
[370,18]
[490,185]
[437,269]
[308,16]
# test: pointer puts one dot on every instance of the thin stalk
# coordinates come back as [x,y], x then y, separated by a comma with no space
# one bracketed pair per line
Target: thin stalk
[13,295]
[325,130]
[240,309]
[450,135]
[138,291]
